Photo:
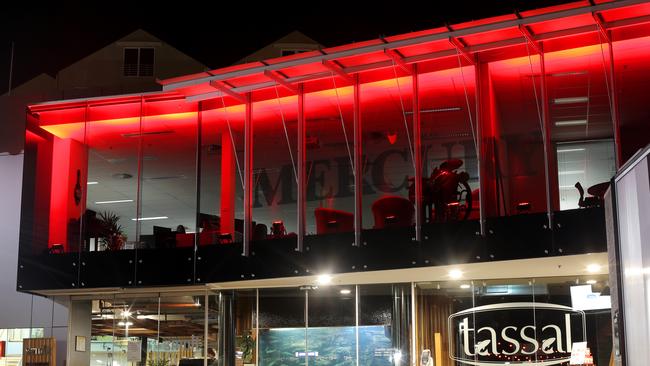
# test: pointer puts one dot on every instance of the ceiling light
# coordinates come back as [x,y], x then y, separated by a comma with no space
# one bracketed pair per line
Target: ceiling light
[571,150]
[593,268]
[324,279]
[455,274]
[91,183]
[126,313]
[591,282]
[150,218]
[573,122]
[569,172]
[465,286]
[570,100]
[115,201]
[123,324]
[345,291]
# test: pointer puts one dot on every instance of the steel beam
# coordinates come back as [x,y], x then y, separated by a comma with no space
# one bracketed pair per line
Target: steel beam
[530,38]
[405,42]
[460,48]
[334,67]
[275,76]
[600,24]
[614,108]
[480,73]
[399,60]
[220,85]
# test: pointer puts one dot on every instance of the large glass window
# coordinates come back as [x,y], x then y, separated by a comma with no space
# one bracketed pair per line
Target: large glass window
[387,164]
[449,160]
[275,167]
[329,155]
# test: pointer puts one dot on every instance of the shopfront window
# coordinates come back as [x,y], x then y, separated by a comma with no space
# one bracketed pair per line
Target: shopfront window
[515,320]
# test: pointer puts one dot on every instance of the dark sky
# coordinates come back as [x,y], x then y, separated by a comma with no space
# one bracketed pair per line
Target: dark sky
[49,36]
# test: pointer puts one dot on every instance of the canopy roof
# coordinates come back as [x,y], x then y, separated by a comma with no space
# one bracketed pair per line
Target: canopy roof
[491,39]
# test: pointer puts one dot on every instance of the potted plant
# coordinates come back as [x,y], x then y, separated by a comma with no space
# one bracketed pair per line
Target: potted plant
[246,344]
[112,235]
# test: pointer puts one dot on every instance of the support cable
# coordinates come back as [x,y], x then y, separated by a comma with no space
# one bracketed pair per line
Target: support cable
[345,134]
[469,110]
[286,134]
[232,141]
[406,128]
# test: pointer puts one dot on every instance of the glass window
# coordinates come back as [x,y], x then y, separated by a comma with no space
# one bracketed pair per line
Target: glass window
[580,114]
[590,163]
[449,160]
[282,332]
[387,143]
[520,178]
[330,182]
[274,167]
[138,61]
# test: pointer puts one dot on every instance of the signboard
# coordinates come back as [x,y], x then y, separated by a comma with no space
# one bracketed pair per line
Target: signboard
[515,333]
[134,352]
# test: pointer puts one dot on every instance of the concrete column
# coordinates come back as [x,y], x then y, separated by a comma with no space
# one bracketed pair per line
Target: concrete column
[79,325]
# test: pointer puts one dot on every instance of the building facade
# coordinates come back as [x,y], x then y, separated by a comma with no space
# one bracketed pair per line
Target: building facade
[427,198]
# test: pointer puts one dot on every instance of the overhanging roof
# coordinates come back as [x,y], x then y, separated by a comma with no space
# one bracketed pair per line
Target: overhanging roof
[471,39]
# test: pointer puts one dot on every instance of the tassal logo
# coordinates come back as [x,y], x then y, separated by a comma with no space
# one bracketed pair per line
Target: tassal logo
[515,333]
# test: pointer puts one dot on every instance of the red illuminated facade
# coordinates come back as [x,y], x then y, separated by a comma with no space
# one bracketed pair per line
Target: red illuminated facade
[342,143]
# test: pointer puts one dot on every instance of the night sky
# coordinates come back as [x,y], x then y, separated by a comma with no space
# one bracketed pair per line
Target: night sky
[49,36]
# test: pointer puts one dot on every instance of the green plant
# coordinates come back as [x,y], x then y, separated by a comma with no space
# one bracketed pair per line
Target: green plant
[112,234]
[246,344]
[158,363]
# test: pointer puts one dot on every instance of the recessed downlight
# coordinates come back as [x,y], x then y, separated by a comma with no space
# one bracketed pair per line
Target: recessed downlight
[455,274]
[594,268]
[324,279]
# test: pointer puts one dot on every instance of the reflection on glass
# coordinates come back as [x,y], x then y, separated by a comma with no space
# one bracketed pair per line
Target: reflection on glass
[112,189]
[274,167]
[520,180]
[282,332]
[387,142]
[330,193]
[167,217]
[450,165]
[166,328]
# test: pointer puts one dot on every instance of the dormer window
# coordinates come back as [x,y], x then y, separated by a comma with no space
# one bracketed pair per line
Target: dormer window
[138,61]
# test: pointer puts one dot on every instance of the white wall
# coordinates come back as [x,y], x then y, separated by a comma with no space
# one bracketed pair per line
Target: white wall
[18,310]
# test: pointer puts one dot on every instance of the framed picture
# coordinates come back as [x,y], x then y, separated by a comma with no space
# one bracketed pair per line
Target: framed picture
[80,343]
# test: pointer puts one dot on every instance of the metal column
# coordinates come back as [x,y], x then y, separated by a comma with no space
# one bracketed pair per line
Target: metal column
[302,156]
[614,105]
[358,168]
[546,136]
[248,176]
[480,146]
[417,148]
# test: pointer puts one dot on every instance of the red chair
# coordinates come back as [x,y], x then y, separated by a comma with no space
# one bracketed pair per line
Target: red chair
[333,221]
[393,211]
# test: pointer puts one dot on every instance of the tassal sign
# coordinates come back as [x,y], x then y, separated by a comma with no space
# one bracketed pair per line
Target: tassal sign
[515,333]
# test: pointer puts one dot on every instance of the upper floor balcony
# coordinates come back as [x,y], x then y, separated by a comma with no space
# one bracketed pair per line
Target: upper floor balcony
[444,146]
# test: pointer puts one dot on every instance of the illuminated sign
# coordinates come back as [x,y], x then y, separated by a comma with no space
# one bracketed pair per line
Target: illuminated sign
[515,333]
